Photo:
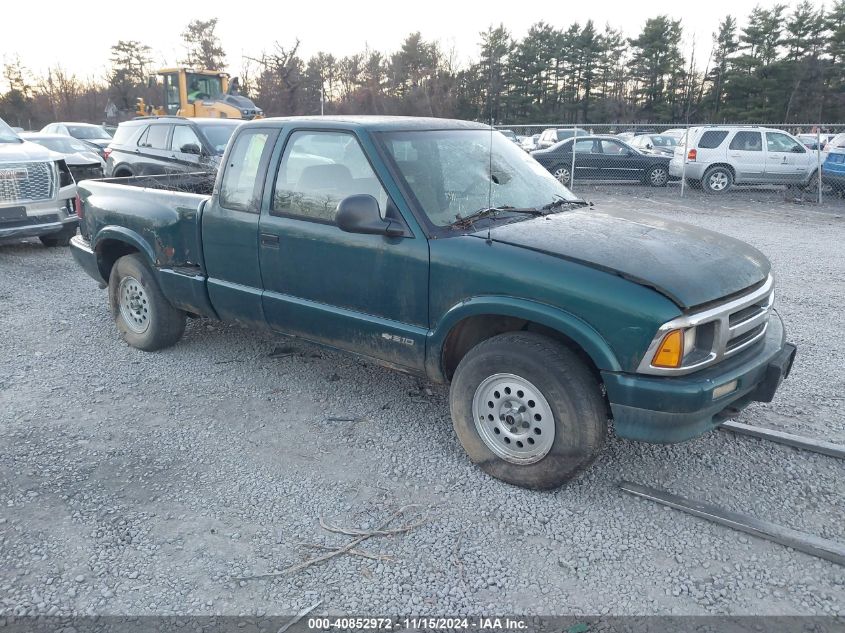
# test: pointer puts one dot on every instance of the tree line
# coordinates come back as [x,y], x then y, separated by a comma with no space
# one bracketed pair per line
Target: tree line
[782,65]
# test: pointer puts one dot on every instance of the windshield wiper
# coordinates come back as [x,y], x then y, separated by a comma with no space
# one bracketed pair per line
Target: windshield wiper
[563,202]
[466,221]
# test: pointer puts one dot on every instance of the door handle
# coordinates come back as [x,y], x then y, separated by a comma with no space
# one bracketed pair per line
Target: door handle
[270,241]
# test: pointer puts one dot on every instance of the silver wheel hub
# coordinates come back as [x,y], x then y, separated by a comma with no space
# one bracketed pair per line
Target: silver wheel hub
[658,177]
[134,305]
[513,418]
[718,181]
[562,175]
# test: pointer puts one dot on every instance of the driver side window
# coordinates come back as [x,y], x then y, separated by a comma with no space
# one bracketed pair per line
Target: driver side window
[318,170]
[776,142]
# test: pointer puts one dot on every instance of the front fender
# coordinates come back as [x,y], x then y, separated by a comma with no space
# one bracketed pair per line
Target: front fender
[567,324]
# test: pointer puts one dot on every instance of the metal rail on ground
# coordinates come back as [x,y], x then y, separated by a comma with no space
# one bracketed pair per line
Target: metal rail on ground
[781,437]
[802,541]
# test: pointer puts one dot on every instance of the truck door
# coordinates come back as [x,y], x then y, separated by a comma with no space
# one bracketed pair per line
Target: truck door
[786,159]
[364,293]
[230,228]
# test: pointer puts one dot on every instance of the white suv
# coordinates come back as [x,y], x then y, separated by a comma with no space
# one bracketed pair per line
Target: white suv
[720,156]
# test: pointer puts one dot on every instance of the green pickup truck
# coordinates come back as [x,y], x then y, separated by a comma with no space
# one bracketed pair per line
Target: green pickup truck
[440,248]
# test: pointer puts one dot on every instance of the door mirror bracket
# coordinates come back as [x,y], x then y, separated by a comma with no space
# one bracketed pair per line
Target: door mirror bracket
[360,213]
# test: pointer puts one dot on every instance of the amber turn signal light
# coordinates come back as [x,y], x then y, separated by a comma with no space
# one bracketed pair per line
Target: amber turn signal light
[670,353]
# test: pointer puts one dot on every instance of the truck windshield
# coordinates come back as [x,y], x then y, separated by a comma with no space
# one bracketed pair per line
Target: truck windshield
[7,134]
[455,173]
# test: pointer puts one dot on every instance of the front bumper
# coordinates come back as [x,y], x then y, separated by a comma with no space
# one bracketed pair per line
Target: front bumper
[665,410]
[46,218]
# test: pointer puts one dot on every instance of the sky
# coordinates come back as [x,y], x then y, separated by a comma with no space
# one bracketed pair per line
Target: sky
[78,35]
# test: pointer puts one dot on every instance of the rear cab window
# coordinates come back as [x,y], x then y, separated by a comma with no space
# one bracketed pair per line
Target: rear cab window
[240,189]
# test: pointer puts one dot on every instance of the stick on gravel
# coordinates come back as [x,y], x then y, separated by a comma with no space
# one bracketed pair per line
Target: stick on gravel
[361,536]
[807,543]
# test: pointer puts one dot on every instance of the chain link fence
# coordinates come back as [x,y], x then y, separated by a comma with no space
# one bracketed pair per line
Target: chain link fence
[788,162]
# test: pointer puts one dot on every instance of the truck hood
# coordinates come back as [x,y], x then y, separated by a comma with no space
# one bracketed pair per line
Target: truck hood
[689,265]
[25,152]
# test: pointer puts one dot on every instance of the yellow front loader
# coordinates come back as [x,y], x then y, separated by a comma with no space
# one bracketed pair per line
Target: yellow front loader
[199,93]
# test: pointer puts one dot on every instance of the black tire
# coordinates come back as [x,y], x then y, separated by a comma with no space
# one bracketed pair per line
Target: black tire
[571,392]
[58,239]
[718,174]
[163,324]
[656,176]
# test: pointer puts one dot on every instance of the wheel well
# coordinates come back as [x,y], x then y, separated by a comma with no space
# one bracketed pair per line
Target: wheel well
[109,252]
[122,172]
[473,330]
[725,165]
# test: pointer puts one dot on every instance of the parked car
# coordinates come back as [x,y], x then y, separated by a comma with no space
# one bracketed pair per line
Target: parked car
[833,168]
[437,248]
[510,135]
[552,136]
[94,135]
[838,141]
[654,144]
[37,192]
[720,156]
[529,143]
[675,132]
[167,145]
[813,141]
[83,161]
[603,158]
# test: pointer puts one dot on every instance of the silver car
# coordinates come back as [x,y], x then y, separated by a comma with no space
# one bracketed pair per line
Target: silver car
[37,192]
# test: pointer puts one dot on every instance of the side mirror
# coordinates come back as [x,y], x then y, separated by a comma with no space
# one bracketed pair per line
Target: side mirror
[360,214]
[649,146]
[191,148]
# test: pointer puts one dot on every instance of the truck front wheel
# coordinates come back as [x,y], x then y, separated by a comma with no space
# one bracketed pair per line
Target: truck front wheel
[144,317]
[527,410]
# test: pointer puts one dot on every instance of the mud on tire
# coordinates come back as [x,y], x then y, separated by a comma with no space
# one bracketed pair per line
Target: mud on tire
[566,388]
[144,317]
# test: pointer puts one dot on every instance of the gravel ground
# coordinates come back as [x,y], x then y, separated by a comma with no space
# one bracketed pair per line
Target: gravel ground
[135,483]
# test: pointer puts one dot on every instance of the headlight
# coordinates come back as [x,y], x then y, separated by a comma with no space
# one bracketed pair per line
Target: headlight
[674,348]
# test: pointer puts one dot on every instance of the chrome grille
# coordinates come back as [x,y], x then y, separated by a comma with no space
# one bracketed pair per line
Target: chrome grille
[25,182]
[725,329]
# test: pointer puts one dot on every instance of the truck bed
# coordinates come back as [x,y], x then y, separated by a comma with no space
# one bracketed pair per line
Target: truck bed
[201,183]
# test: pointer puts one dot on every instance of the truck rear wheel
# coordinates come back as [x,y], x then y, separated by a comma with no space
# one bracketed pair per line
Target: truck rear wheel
[527,410]
[144,317]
